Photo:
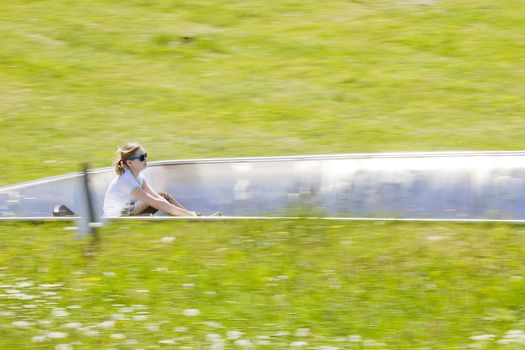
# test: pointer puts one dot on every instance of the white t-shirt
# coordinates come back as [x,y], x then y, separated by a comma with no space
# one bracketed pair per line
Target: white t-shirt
[118,194]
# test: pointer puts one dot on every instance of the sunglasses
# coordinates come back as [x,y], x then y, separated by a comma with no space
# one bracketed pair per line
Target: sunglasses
[142,157]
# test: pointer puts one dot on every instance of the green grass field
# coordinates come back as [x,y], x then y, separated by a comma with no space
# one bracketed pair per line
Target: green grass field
[196,79]
[235,78]
[309,284]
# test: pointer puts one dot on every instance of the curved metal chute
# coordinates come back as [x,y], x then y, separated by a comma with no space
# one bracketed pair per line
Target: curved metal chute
[447,186]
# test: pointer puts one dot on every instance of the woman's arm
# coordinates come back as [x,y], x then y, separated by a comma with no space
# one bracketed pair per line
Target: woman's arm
[149,190]
[160,203]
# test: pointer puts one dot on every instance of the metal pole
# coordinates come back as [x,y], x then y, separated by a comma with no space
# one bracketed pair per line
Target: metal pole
[90,214]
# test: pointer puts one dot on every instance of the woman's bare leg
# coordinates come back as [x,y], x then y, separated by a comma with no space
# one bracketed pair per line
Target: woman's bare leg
[141,208]
[171,199]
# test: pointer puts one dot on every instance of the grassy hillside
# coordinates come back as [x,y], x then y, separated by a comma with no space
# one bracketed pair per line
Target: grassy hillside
[235,78]
[192,79]
[306,284]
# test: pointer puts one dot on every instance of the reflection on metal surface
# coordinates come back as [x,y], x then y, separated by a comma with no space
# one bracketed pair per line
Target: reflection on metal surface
[453,185]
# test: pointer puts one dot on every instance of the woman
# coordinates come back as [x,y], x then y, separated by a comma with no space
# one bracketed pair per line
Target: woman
[130,194]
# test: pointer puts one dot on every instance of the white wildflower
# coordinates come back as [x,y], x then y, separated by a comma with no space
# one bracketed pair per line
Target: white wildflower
[513,336]
[514,333]
[38,339]
[263,342]
[142,291]
[109,274]
[482,337]
[191,312]
[302,332]
[91,333]
[153,327]
[369,342]
[188,285]
[354,338]
[245,343]
[168,239]
[212,324]
[23,296]
[217,344]
[125,310]
[140,317]
[117,336]
[180,329]
[64,347]
[49,293]
[21,324]
[435,238]
[60,313]
[118,317]
[57,335]
[232,335]
[281,333]
[107,324]
[167,341]
[74,325]
[298,344]
[24,284]
[50,285]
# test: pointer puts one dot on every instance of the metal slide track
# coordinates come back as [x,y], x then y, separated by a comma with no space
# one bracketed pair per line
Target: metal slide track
[449,186]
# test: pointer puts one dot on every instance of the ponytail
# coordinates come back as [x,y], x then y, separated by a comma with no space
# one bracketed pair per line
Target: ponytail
[123,154]
[120,167]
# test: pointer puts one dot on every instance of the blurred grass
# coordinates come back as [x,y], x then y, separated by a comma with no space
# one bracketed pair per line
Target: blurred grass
[235,78]
[396,285]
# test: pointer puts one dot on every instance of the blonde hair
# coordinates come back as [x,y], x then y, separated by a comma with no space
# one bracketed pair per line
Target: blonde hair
[123,154]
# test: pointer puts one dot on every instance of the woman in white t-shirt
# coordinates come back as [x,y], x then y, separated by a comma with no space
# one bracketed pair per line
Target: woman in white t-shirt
[130,194]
